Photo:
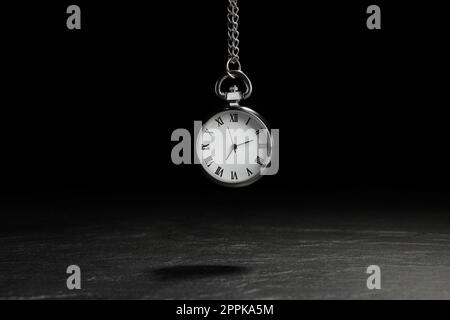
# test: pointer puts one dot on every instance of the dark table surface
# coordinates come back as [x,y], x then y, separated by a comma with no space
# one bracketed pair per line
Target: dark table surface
[297,253]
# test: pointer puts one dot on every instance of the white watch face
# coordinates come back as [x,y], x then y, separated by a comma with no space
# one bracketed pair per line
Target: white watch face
[234,146]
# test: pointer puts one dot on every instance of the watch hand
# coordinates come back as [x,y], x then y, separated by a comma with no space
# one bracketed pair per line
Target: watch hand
[229,133]
[240,144]
[232,148]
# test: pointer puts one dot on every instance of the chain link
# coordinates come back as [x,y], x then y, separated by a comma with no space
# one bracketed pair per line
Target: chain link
[233,67]
[233,35]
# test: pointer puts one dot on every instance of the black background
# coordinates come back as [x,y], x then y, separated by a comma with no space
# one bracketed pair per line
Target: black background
[89,114]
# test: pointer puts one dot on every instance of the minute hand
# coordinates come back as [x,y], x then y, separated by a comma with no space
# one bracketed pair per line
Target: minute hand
[240,144]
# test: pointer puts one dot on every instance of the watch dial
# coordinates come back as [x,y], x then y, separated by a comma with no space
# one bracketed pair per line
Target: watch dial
[234,146]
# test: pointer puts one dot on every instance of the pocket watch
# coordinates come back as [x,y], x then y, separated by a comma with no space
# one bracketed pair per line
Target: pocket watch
[235,145]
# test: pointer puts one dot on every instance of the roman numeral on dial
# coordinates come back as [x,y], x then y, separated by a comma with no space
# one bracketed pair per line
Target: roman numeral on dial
[249,172]
[234,175]
[219,121]
[234,117]
[219,171]
[205,146]
[209,161]
[259,161]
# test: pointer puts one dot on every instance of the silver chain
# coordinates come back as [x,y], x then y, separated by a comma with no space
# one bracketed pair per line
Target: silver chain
[233,35]
[233,67]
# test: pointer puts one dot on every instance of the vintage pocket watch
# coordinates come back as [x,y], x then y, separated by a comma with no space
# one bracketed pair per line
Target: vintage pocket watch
[235,145]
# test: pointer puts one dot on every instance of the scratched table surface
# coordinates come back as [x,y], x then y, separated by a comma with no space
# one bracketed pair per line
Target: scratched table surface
[148,253]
